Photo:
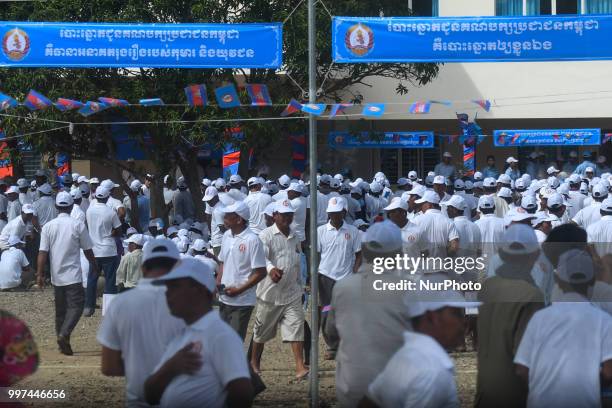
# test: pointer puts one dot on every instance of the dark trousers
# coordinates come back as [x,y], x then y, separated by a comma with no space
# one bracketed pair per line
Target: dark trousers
[326,287]
[69,302]
[108,265]
[236,316]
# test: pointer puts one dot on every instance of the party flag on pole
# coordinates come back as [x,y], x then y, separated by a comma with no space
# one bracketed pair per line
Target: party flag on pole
[196,95]
[36,101]
[442,102]
[373,109]
[259,95]
[314,108]
[64,104]
[113,102]
[151,102]
[420,107]
[483,103]
[6,102]
[92,107]
[298,155]
[293,107]
[227,97]
[607,138]
[338,108]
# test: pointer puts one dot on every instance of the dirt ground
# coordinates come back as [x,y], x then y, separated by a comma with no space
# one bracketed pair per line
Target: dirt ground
[80,376]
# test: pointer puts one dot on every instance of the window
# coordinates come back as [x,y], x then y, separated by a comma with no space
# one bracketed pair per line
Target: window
[508,7]
[425,8]
[539,7]
[568,6]
[598,6]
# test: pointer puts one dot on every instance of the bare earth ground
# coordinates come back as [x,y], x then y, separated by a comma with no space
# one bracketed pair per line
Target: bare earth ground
[80,376]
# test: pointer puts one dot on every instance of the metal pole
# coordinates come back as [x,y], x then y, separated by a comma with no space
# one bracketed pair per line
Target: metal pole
[312,155]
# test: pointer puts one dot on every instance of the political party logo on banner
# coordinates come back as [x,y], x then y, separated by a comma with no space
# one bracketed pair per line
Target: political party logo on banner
[359,40]
[386,140]
[16,44]
[547,137]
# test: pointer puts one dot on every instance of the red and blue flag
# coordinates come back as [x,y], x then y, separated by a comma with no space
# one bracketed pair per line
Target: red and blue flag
[6,102]
[259,95]
[64,104]
[420,107]
[293,107]
[227,97]
[36,101]
[338,108]
[113,102]
[92,107]
[483,103]
[196,95]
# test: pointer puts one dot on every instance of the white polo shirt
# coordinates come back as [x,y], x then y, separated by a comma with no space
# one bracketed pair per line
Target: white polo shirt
[12,263]
[492,230]
[101,220]
[13,209]
[127,327]
[223,362]
[216,219]
[114,203]
[563,347]
[412,240]
[588,215]
[16,227]
[322,201]
[337,248]
[420,374]
[78,214]
[257,202]
[438,232]
[298,226]
[469,236]
[63,238]
[45,209]
[600,233]
[240,254]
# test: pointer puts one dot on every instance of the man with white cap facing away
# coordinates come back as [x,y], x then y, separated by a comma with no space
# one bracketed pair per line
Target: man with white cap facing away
[131,345]
[77,213]
[412,236]
[568,337]
[445,168]
[104,226]
[25,195]
[235,188]
[17,226]
[129,272]
[300,204]
[421,373]
[440,235]
[115,204]
[257,202]
[600,233]
[590,214]
[279,295]
[205,365]
[214,216]
[491,227]
[45,205]
[14,266]
[284,182]
[243,266]
[339,246]
[61,240]
[13,208]
[469,234]
[556,209]
[182,202]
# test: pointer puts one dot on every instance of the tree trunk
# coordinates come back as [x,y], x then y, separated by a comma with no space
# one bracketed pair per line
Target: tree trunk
[189,168]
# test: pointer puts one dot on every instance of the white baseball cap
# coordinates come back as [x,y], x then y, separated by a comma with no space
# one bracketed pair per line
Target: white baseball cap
[285,180]
[541,217]
[546,191]
[418,190]
[478,176]
[219,184]
[555,200]
[511,160]
[517,215]
[160,248]
[132,230]
[553,182]
[297,187]
[135,185]
[575,266]
[336,204]
[486,202]
[429,197]
[253,181]
[383,236]
[403,181]
[235,179]
[270,208]
[14,240]
[22,183]
[412,175]
[396,203]
[552,170]
[519,239]
[82,179]
[504,179]
[478,184]
[94,180]
[489,182]
[589,170]
[439,180]
[137,239]
[376,187]
[28,209]
[504,192]
[199,271]
[45,189]
[606,205]
[210,193]
[599,190]
[200,245]
[459,184]
[102,192]
[469,185]
[529,202]
[206,182]
[447,154]
[240,208]
[335,183]
[108,184]
[12,190]
[284,207]
[64,199]
[520,184]
[456,201]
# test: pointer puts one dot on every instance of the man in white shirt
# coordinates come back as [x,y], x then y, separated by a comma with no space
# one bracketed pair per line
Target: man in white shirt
[469,234]
[600,232]
[339,246]
[570,336]
[257,202]
[491,227]
[61,240]
[205,365]
[235,188]
[77,212]
[243,266]
[131,345]
[421,373]
[300,205]
[412,237]
[440,234]
[17,226]
[13,265]
[214,215]
[13,208]
[25,195]
[445,168]
[45,205]
[112,202]
[103,224]
[590,214]
[279,295]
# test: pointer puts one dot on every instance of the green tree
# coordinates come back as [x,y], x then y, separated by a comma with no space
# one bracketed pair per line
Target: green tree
[175,144]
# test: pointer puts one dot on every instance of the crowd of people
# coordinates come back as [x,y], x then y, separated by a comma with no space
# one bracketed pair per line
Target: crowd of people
[542,314]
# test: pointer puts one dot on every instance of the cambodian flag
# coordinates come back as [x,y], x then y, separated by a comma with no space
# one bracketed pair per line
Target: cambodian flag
[484,104]
[259,95]
[338,108]
[294,106]
[314,108]
[113,102]
[151,102]
[6,102]
[227,97]
[35,101]
[92,107]
[196,95]
[231,162]
[64,104]
[373,109]
[420,107]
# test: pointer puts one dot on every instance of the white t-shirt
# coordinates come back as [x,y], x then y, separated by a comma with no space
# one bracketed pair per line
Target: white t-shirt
[16,227]
[101,221]
[12,263]
[13,209]
[216,219]
[563,347]
[492,230]
[438,232]
[600,233]
[240,254]
[412,240]
[588,215]
[78,214]
[114,203]
[322,201]
[45,209]
[420,375]
[337,248]
[63,238]
[139,325]
[257,202]
[223,362]
[300,205]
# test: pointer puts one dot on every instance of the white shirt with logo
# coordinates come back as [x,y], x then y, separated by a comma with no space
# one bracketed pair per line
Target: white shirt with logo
[337,248]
